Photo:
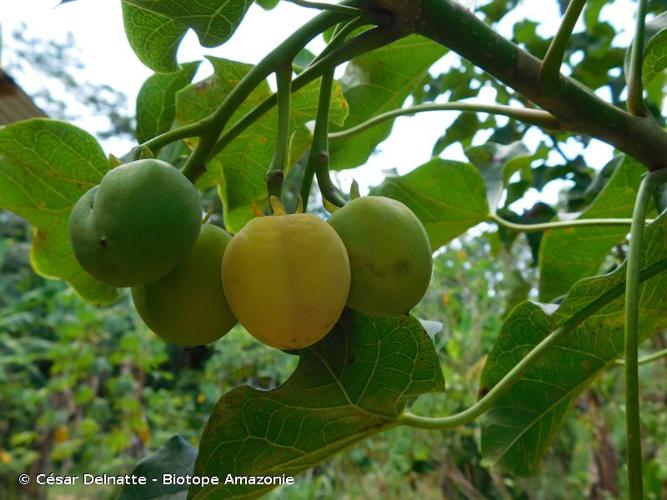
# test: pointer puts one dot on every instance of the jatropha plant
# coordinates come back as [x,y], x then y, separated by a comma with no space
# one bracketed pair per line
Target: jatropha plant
[337,291]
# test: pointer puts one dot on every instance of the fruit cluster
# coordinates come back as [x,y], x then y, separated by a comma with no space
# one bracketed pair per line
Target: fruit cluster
[286,278]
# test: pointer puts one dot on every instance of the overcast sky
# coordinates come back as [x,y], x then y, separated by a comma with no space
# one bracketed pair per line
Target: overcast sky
[98,30]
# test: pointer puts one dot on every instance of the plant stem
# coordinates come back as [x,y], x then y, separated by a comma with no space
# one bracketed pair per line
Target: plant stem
[513,376]
[162,140]
[561,224]
[318,159]
[327,6]
[531,116]
[636,104]
[349,49]
[339,35]
[550,68]
[632,417]
[649,358]
[576,107]
[275,175]
[319,149]
[285,52]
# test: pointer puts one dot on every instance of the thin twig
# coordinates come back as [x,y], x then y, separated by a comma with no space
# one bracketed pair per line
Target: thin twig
[531,116]
[353,11]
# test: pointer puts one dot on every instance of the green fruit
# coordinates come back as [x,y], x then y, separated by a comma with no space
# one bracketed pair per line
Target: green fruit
[390,255]
[137,224]
[188,305]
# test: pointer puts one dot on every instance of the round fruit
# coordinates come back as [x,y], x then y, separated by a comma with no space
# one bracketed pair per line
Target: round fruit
[188,305]
[390,255]
[286,278]
[137,224]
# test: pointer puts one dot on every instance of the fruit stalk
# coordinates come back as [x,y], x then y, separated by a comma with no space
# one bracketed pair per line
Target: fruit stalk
[275,175]
[318,159]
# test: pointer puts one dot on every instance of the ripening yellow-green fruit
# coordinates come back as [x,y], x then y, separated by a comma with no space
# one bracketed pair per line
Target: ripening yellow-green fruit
[286,278]
[188,305]
[390,255]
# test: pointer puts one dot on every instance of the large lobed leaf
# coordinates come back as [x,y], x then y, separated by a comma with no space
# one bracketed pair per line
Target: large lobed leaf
[45,166]
[241,167]
[377,82]
[153,37]
[558,270]
[352,384]
[448,197]
[155,28]
[156,101]
[519,428]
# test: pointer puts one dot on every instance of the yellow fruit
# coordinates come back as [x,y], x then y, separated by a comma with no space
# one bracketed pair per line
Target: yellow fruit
[390,255]
[286,278]
[188,305]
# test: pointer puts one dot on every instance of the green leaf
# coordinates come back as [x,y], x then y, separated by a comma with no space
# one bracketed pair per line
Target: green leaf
[448,197]
[153,37]
[241,167]
[655,56]
[267,4]
[45,166]
[176,457]
[302,60]
[520,426]
[655,45]
[497,163]
[156,102]
[214,21]
[558,269]
[377,82]
[461,130]
[352,384]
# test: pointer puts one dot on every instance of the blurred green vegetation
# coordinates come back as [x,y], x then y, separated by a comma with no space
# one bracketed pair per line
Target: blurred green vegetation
[90,389]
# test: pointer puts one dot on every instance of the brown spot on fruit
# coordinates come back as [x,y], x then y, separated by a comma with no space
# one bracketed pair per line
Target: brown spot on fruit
[402,267]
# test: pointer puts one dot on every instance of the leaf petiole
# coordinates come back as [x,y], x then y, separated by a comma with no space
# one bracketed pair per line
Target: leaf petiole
[286,51]
[636,104]
[327,6]
[349,49]
[649,358]
[550,68]
[531,116]
[505,384]
[561,224]
[632,295]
